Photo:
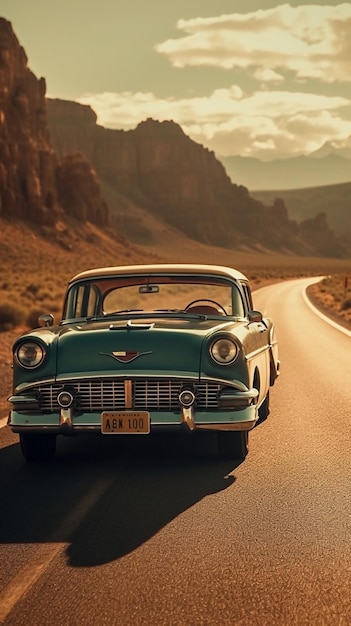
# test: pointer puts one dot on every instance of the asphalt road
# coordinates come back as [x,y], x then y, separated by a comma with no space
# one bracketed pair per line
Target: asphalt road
[141,532]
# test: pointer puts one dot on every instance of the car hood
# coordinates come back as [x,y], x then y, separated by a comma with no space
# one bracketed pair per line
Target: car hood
[135,346]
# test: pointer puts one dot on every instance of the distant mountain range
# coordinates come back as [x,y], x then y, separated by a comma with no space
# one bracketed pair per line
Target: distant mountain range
[330,165]
[331,200]
[341,147]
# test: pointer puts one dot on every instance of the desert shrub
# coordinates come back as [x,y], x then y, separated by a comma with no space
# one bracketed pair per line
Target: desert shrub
[346,304]
[44,295]
[335,286]
[11,315]
[33,288]
[91,238]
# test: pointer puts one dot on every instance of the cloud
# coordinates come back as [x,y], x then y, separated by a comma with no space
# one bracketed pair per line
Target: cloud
[265,124]
[311,41]
[283,50]
[265,75]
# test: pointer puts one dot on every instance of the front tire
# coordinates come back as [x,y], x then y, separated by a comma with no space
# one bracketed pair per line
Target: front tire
[233,445]
[38,448]
[263,410]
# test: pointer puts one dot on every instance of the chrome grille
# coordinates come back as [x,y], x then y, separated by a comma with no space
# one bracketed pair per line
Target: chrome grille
[147,394]
[156,395]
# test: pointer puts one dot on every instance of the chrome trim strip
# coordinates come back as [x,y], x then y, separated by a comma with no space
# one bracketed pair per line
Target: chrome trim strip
[255,353]
[232,426]
[251,394]
[24,401]
[128,397]
[196,378]
[31,385]
[228,427]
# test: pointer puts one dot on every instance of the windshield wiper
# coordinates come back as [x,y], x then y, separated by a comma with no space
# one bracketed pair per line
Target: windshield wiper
[97,318]
[123,311]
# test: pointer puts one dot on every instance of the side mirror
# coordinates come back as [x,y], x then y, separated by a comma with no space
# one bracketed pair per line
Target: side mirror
[255,316]
[46,319]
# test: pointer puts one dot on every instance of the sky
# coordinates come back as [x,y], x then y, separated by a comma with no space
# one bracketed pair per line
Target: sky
[256,78]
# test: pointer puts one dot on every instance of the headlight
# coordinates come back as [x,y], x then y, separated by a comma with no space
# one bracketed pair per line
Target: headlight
[30,354]
[224,351]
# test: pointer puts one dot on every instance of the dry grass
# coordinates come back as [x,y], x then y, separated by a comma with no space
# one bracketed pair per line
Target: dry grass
[333,295]
[36,265]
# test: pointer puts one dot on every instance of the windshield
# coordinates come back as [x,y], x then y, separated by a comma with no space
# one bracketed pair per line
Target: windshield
[117,295]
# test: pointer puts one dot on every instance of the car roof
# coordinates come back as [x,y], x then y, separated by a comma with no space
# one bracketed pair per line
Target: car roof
[160,268]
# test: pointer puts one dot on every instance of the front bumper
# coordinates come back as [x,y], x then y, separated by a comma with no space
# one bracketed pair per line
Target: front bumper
[218,405]
[243,419]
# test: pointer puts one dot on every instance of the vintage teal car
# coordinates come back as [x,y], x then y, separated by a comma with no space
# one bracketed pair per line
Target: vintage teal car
[143,349]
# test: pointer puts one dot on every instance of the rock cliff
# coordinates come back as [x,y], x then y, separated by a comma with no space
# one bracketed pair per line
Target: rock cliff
[34,184]
[157,168]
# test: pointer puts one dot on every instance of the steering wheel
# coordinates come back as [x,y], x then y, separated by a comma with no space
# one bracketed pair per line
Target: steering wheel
[205,300]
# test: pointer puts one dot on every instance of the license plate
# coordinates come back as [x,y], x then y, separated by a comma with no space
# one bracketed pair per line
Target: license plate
[125,422]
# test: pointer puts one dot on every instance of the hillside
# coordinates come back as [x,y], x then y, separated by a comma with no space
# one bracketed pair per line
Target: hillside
[156,169]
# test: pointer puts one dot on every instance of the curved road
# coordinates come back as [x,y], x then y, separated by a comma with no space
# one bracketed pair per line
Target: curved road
[159,535]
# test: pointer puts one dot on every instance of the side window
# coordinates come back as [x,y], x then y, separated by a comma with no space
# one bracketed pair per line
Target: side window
[92,302]
[79,302]
[248,296]
[73,303]
[238,305]
[83,300]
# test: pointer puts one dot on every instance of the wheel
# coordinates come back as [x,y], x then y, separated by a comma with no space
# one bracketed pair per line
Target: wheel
[263,410]
[37,448]
[233,445]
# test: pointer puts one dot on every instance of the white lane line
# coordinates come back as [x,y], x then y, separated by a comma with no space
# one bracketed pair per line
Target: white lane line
[46,553]
[322,316]
[325,318]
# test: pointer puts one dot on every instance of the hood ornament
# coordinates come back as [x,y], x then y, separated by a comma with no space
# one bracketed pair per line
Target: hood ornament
[122,356]
[130,326]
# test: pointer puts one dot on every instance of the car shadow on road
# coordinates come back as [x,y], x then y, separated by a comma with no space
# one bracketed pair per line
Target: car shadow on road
[146,485]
